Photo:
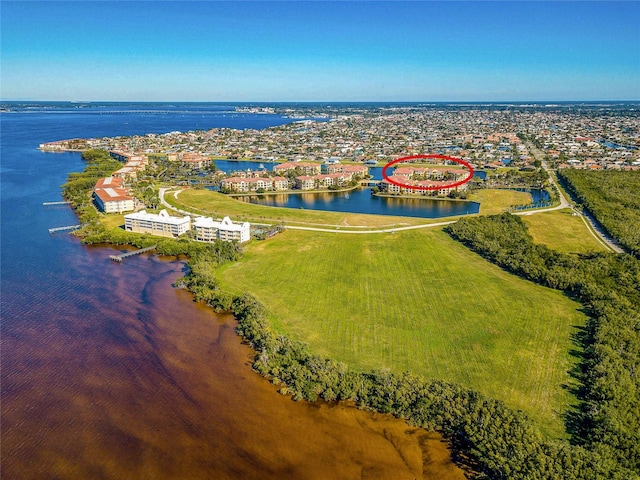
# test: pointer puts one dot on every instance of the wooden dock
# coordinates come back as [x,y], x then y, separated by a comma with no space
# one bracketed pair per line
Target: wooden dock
[122,256]
[52,204]
[64,229]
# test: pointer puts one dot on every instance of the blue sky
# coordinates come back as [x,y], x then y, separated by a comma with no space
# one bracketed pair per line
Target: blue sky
[320,51]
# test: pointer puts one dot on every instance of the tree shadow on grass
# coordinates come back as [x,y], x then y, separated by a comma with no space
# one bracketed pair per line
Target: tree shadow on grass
[576,419]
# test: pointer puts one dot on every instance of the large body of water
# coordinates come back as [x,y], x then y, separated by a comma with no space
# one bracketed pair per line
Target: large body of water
[110,372]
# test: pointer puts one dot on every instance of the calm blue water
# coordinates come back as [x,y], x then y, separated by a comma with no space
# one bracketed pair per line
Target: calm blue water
[58,121]
[361,201]
[29,177]
[356,201]
[109,372]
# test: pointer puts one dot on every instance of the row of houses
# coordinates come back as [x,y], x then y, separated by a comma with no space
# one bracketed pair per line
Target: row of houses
[206,229]
[133,163]
[428,173]
[424,181]
[306,168]
[306,182]
[193,160]
[309,168]
[251,183]
[422,187]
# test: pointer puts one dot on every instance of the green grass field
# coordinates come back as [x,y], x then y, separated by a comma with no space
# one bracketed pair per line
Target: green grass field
[494,201]
[418,301]
[207,202]
[562,231]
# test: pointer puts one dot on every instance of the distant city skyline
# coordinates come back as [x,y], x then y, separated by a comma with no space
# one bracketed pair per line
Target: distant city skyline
[320,51]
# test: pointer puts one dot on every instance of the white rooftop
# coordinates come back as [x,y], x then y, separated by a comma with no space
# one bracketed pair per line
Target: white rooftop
[225,224]
[163,217]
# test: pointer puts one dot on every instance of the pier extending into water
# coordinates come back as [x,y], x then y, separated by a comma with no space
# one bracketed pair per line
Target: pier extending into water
[122,256]
[68,228]
[51,204]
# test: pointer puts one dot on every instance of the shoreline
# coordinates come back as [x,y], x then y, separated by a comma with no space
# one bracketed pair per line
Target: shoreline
[423,197]
[287,192]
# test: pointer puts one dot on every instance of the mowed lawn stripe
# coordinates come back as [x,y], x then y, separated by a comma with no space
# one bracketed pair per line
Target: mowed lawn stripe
[418,301]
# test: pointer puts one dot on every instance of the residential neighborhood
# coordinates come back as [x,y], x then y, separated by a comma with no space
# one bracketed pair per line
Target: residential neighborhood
[336,149]
[486,136]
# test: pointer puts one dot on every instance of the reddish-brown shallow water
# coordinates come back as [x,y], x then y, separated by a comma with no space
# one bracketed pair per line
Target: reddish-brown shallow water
[116,374]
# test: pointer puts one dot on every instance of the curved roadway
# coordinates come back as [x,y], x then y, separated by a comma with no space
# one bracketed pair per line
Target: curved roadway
[592,225]
[564,203]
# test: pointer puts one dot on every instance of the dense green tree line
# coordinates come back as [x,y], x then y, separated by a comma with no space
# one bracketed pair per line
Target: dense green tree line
[608,421]
[80,184]
[491,439]
[612,197]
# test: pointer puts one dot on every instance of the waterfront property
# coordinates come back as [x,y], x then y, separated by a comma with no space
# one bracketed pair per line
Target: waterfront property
[426,180]
[126,157]
[194,160]
[133,163]
[251,184]
[327,180]
[208,230]
[305,182]
[161,224]
[111,197]
[306,168]
[360,170]
[423,187]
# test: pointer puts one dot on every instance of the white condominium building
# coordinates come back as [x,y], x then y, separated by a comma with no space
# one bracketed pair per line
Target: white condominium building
[161,224]
[208,230]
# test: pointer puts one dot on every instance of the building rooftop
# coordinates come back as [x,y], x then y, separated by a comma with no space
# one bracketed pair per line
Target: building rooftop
[225,224]
[163,217]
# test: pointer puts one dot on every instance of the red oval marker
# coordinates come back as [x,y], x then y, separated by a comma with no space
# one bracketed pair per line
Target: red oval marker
[435,187]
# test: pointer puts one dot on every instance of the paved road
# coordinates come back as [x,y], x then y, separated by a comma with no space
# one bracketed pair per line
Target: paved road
[592,225]
[348,230]
[163,202]
[383,230]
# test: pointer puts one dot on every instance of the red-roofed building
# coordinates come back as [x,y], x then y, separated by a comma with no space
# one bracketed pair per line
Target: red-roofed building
[112,199]
[305,182]
[195,160]
[109,182]
[305,167]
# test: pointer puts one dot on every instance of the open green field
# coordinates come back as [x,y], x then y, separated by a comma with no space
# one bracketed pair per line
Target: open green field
[562,231]
[417,300]
[494,201]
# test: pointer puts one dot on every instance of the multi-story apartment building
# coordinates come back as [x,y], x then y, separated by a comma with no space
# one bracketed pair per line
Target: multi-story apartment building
[208,230]
[111,197]
[161,224]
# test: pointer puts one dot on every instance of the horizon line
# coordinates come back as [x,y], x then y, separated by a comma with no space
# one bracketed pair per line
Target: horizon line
[326,101]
